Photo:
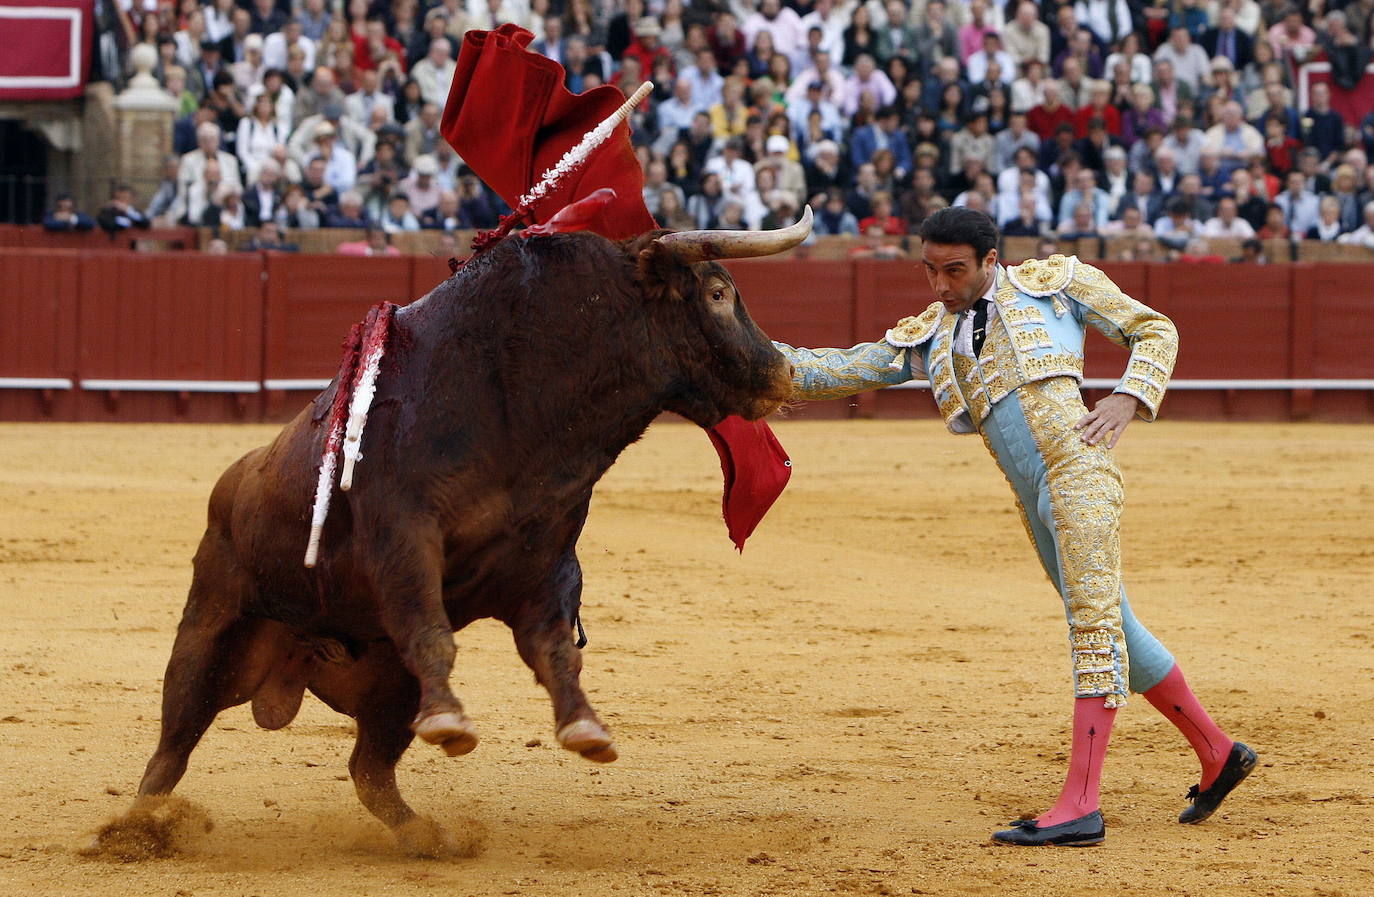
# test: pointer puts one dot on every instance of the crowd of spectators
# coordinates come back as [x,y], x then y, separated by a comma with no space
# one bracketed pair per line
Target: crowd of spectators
[1163,121]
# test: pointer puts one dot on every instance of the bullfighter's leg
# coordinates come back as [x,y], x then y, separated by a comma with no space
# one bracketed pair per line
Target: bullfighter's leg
[543,636]
[407,585]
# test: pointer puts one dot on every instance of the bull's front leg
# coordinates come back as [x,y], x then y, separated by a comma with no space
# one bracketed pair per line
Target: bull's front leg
[404,573]
[544,638]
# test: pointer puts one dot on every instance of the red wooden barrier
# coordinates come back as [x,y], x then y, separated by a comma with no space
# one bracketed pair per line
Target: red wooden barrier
[224,326]
[312,300]
[170,336]
[38,325]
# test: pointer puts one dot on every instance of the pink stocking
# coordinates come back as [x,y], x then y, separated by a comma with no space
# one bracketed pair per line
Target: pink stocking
[1092,726]
[1173,698]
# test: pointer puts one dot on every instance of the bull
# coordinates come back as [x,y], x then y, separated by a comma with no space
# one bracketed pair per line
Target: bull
[512,388]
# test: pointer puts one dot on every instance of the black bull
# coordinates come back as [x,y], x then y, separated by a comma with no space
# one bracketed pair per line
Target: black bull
[506,394]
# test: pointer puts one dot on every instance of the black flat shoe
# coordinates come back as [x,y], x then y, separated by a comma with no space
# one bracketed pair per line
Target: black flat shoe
[1205,803]
[1081,832]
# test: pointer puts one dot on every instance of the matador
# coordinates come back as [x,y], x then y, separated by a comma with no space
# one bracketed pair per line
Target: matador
[1002,348]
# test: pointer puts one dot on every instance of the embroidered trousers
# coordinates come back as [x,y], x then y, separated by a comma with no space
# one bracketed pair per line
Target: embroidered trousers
[1070,497]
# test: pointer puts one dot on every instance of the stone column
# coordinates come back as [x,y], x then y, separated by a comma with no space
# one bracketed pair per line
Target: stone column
[144,114]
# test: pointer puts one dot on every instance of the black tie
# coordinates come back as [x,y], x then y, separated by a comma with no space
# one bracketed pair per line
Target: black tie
[980,325]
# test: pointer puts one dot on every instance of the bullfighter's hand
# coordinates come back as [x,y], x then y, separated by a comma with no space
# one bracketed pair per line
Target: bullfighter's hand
[1108,419]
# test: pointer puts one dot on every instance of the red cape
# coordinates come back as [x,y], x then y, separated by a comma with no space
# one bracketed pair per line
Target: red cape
[510,119]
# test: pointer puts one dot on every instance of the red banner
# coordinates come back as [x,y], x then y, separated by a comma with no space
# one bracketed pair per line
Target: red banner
[45,48]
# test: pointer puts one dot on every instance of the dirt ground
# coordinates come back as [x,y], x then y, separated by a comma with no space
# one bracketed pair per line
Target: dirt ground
[852,706]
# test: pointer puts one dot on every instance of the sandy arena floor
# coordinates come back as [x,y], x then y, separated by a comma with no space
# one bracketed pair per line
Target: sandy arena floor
[852,706]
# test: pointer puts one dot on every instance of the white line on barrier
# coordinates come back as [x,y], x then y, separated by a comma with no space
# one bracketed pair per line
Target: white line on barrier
[35,383]
[314,385]
[174,385]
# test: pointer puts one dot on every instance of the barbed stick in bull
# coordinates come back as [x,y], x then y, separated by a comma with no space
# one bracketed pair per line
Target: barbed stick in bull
[504,395]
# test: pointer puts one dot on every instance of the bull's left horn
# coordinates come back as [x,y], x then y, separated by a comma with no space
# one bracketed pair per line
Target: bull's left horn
[703,245]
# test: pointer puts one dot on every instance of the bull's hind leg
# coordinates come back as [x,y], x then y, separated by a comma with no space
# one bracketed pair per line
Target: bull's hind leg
[204,676]
[543,636]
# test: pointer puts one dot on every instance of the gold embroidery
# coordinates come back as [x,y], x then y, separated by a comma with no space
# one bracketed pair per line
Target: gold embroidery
[915,329]
[1085,499]
[820,374]
[1041,277]
[1017,316]
[1151,337]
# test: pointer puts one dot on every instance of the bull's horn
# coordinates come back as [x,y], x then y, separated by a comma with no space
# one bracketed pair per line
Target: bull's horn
[703,245]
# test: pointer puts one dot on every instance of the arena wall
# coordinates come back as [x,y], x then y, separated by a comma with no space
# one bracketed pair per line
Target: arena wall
[108,335]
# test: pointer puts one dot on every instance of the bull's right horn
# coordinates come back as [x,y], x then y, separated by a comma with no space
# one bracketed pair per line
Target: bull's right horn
[703,245]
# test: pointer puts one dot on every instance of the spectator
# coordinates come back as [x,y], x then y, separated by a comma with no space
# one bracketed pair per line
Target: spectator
[1177,227]
[1293,42]
[314,19]
[705,207]
[1170,93]
[375,49]
[971,142]
[1026,37]
[1139,67]
[397,218]
[360,104]
[258,133]
[1328,226]
[829,122]
[1185,142]
[1114,178]
[728,117]
[268,238]
[1028,222]
[1189,61]
[884,133]
[834,86]
[1280,149]
[1298,204]
[264,195]
[434,73]
[323,91]
[705,80]
[192,166]
[226,211]
[295,211]
[1233,138]
[422,133]
[447,216]
[1046,118]
[783,24]
[737,178]
[882,217]
[1080,226]
[1215,180]
[1251,253]
[1227,41]
[1274,227]
[422,186]
[1227,222]
[350,212]
[166,193]
[340,167]
[1326,131]
[1143,197]
[834,219]
[823,171]
[1250,205]
[788,173]
[1085,192]
[1344,187]
[64,216]
[867,82]
[1364,234]
[276,47]
[120,213]
[233,47]
[1131,225]
[375,242]
[249,70]
[478,206]
[267,17]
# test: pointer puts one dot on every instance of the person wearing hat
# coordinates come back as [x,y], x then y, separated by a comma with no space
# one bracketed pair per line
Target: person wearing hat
[205,68]
[340,168]
[788,175]
[422,185]
[647,47]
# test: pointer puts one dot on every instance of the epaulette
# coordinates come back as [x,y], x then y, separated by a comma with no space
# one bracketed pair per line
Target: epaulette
[1043,277]
[915,329]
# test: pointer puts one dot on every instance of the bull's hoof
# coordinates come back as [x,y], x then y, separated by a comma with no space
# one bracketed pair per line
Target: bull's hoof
[588,738]
[453,732]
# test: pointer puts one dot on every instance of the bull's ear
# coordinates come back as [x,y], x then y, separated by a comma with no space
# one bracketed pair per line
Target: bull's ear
[661,274]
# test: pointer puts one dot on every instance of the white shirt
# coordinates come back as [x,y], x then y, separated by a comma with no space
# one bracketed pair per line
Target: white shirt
[963,337]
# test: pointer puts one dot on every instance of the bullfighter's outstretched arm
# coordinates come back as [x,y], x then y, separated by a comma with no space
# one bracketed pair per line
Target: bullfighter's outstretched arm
[835,373]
